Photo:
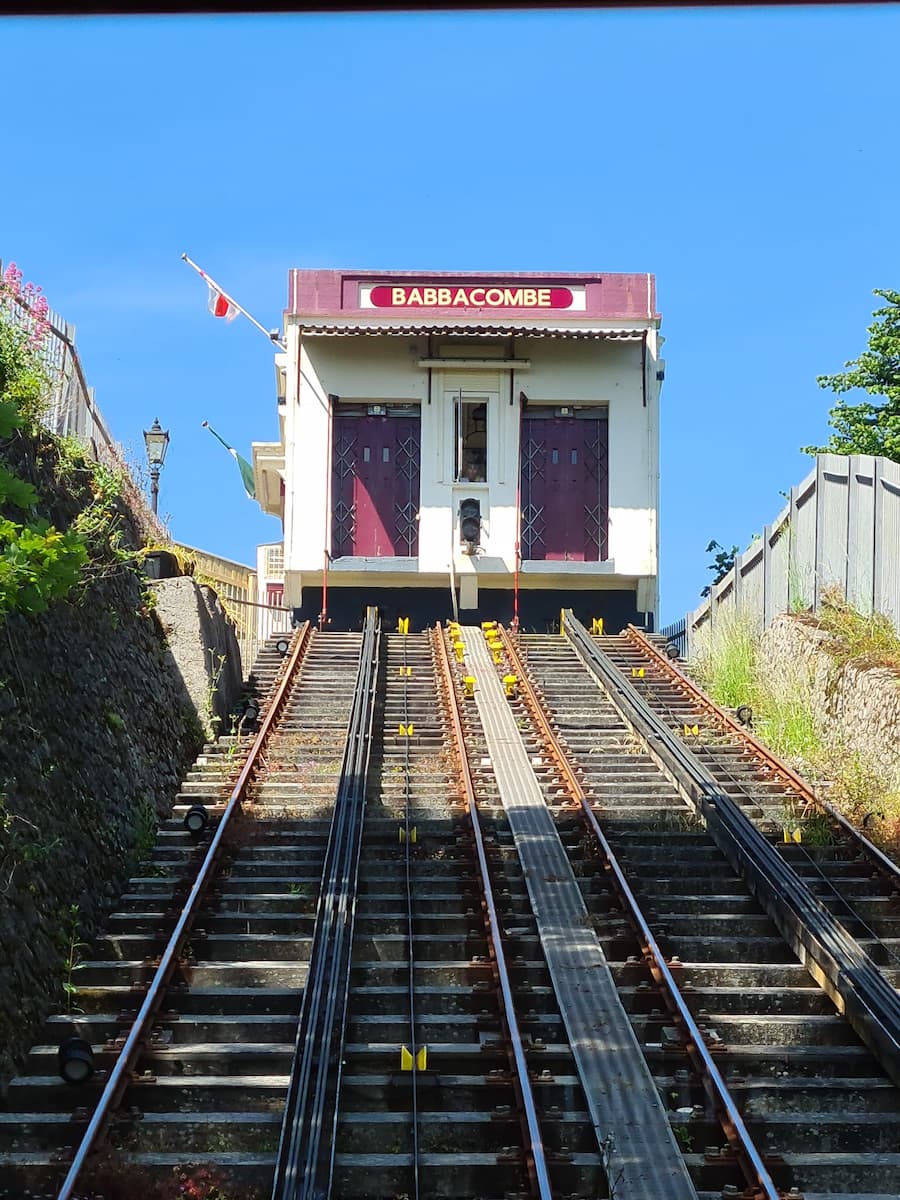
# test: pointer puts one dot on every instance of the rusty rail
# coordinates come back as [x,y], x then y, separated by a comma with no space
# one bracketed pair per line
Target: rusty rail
[727,723]
[746,1153]
[533,1138]
[120,1076]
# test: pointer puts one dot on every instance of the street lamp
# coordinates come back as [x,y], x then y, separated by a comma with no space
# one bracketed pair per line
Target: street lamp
[156,440]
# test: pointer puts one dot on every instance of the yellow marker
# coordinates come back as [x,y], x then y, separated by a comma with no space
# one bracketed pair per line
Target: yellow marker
[562,620]
[406,670]
[486,625]
[691,730]
[412,835]
[637,672]
[510,683]
[405,730]
[597,625]
[460,649]
[469,681]
[403,624]
[406,1059]
[797,835]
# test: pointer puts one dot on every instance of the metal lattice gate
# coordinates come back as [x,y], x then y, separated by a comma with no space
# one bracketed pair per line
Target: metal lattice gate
[375,485]
[564,488]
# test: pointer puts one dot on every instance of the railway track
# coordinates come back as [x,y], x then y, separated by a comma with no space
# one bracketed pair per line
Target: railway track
[336,865]
[819,1106]
[456,935]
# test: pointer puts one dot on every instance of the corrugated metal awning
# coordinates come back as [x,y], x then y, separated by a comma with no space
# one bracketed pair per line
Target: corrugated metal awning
[408,328]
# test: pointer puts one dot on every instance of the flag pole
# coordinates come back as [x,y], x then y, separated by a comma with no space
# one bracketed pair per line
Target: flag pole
[231,300]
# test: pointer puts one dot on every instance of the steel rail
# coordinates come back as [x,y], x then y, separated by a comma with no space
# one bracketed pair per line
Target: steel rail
[407,843]
[304,1169]
[120,1076]
[728,723]
[748,1156]
[536,1160]
[844,906]
[834,958]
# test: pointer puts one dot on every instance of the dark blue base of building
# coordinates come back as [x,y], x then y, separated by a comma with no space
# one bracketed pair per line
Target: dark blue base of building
[538,610]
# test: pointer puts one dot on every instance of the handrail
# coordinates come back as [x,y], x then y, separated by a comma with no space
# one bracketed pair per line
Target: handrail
[736,1131]
[119,1077]
[534,1143]
[728,722]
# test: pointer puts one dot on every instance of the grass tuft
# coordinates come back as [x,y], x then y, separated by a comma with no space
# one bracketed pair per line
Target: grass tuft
[866,639]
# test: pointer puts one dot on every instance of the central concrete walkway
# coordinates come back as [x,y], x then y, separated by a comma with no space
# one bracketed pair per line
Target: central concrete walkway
[622,1098]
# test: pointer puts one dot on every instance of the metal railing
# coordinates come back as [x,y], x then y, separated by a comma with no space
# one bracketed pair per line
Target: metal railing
[70,409]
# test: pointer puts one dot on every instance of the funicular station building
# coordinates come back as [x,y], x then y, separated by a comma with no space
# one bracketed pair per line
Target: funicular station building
[484,441]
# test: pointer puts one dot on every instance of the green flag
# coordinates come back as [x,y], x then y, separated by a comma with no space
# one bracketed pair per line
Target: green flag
[244,467]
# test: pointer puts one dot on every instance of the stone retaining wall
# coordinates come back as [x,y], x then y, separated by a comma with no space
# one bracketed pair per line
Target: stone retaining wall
[856,706]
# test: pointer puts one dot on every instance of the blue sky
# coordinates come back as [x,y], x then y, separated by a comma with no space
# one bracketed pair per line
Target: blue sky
[748,157]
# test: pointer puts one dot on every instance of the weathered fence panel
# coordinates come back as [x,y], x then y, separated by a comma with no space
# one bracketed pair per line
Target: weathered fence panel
[840,528]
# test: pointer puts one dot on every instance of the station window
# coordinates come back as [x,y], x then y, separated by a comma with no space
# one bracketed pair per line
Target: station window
[470,437]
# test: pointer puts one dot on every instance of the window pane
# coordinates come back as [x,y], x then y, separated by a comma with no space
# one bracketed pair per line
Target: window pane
[471,440]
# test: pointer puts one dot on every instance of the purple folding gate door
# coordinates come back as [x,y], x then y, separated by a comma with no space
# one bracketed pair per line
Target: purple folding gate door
[375,485]
[564,488]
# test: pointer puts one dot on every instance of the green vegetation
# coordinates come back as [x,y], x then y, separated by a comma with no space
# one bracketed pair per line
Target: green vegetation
[39,561]
[721,564]
[868,428]
[730,667]
[74,947]
[146,825]
[866,639]
[727,663]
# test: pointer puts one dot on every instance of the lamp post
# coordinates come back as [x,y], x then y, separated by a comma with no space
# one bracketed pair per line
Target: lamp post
[156,440]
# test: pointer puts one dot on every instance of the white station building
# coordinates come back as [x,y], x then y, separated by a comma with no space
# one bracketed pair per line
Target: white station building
[480,443]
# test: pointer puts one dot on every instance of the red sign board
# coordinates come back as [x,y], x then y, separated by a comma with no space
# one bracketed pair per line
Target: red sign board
[479,296]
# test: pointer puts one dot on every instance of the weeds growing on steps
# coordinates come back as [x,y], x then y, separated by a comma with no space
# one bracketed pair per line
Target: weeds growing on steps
[74,947]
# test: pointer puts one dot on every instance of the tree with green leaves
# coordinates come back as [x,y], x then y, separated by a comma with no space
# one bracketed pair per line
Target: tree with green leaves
[867,427]
[720,565]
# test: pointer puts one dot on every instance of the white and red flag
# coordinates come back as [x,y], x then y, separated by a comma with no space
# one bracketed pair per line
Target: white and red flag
[220,305]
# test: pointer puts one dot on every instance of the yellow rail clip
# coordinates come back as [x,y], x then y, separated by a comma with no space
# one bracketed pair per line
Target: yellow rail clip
[692,731]
[406,1059]
[488,625]
[460,649]
[637,672]
[403,624]
[406,670]
[596,625]
[511,683]
[412,835]
[469,681]
[793,835]
[405,730]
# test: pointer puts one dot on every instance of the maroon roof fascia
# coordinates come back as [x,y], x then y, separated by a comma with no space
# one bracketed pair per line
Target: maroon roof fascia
[325,293]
